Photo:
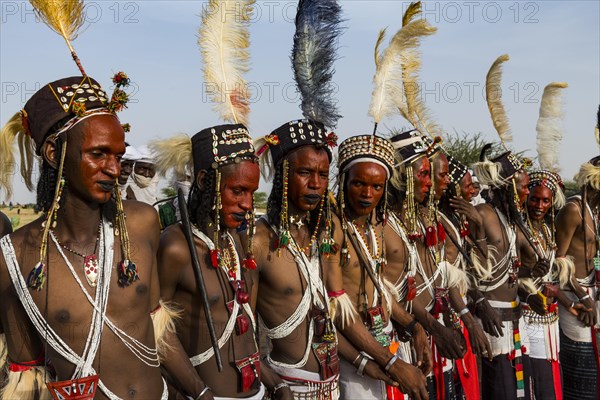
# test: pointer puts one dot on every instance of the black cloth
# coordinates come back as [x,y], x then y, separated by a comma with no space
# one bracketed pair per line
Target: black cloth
[498,379]
[450,391]
[542,379]
[579,369]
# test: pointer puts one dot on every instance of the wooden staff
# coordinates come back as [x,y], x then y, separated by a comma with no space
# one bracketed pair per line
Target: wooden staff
[187,230]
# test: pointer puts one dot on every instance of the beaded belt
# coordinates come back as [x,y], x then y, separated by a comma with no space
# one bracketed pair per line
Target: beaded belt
[327,390]
[533,318]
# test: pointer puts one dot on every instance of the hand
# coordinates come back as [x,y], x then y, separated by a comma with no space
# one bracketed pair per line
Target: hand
[284,393]
[373,370]
[540,269]
[410,380]
[449,342]
[479,342]
[536,303]
[586,312]
[490,320]
[423,350]
[467,209]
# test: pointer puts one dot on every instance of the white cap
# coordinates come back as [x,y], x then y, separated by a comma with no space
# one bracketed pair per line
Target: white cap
[131,154]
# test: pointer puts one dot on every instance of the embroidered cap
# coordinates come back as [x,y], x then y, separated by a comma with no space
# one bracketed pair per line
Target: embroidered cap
[456,169]
[366,148]
[409,146]
[221,144]
[76,96]
[295,134]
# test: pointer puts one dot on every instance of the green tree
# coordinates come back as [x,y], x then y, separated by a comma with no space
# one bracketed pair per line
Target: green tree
[168,192]
[260,200]
[571,188]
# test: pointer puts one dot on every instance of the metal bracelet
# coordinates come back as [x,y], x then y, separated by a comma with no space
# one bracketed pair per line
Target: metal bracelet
[587,296]
[361,367]
[203,392]
[279,386]
[390,363]
[463,312]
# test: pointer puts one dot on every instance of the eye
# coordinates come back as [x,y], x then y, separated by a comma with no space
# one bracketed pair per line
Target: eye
[378,187]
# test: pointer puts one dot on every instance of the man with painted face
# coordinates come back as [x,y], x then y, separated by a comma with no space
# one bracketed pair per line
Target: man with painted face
[56,272]
[462,228]
[289,289]
[226,176]
[127,161]
[366,164]
[420,279]
[541,325]
[503,322]
[577,237]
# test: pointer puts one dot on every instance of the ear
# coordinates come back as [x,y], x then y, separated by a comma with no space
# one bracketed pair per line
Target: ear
[200,179]
[50,152]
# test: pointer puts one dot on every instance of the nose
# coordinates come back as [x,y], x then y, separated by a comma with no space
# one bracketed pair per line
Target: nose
[112,167]
[316,182]
[246,202]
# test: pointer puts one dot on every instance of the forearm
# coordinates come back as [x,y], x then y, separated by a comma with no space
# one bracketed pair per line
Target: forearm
[180,369]
[356,333]
[268,377]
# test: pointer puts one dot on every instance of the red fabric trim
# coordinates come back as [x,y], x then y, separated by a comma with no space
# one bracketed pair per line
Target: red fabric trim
[336,293]
[438,372]
[468,372]
[26,365]
[556,380]
[155,310]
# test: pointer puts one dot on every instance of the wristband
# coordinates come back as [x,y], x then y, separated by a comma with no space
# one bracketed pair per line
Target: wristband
[463,312]
[203,392]
[279,386]
[361,367]
[390,363]
[587,296]
[410,328]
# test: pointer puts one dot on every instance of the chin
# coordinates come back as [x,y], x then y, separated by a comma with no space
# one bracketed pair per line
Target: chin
[231,223]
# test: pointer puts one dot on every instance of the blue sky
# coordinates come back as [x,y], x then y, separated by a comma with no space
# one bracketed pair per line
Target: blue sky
[155,43]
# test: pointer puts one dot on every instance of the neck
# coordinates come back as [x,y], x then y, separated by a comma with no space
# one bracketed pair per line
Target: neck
[77,219]
[536,223]
[359,220]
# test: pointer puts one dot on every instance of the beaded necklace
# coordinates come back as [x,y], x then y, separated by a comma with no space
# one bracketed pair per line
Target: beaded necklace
[90,261]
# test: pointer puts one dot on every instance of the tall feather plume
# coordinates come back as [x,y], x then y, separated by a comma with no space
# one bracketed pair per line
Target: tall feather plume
[314,52]
[224,40]
[549,133]
[387,82]
[173,153]
[65,17]
[10,133]
[411,66]
[389,95]
[493,95]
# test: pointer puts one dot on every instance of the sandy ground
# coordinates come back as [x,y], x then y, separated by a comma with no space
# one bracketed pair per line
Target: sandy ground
[19,218]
